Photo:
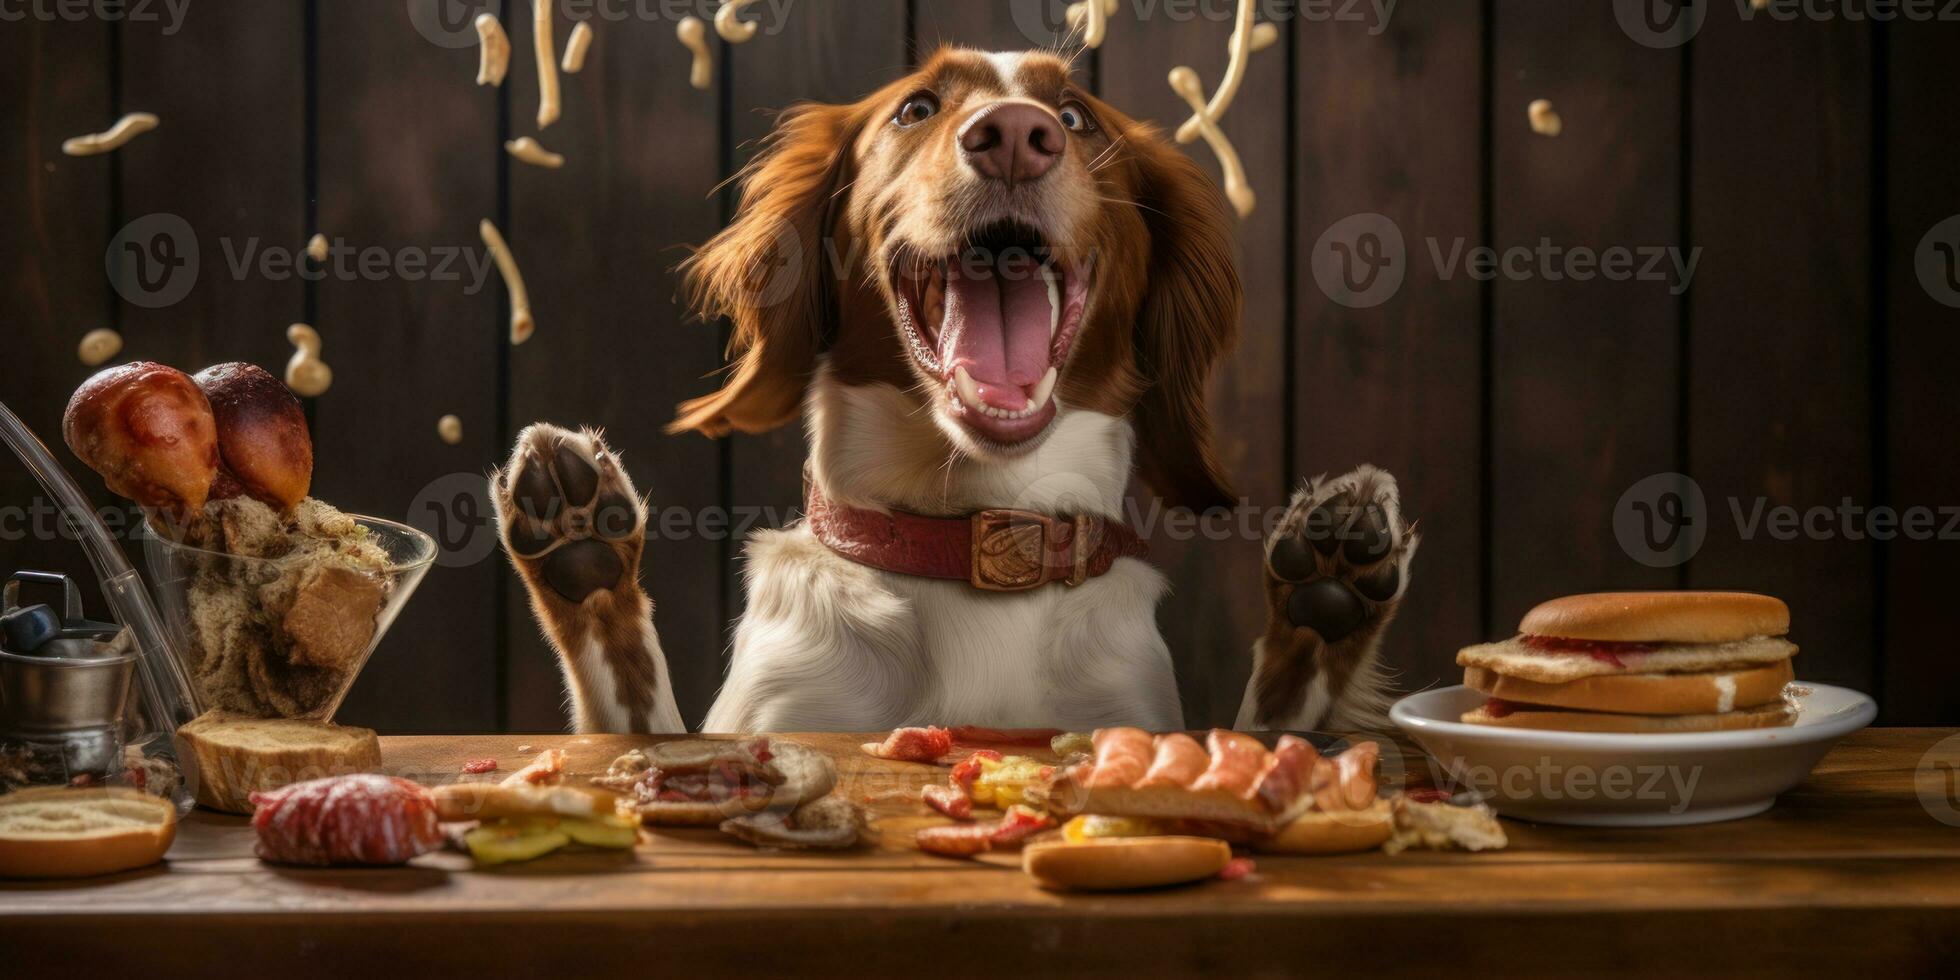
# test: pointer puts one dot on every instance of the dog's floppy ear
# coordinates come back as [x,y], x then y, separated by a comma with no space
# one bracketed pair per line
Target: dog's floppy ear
[766,272]
[1190,317]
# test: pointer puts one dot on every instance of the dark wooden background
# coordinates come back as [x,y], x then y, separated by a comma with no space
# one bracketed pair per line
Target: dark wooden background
[1806,365]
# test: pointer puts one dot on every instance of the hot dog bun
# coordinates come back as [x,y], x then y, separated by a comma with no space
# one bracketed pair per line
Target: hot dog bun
[1659,617]
[1118,863]
[1340,832]
[57,832]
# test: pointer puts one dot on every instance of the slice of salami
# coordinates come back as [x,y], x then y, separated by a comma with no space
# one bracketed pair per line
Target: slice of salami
[359,819]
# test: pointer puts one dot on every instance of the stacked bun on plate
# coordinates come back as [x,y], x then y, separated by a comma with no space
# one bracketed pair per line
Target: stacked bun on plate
[1638,662]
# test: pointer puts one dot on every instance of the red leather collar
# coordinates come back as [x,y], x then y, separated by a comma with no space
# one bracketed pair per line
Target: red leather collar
[994,550]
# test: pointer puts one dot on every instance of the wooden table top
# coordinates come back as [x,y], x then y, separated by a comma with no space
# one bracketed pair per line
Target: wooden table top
[1849,871]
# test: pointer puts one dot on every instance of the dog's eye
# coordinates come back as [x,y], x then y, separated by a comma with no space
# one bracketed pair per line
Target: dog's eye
[917,109]
[1076,117]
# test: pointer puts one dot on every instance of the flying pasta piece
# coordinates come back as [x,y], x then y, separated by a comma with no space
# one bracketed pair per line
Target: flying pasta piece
[693,33]
[494,62]
[306,374]
[547,51]
[98,346]
[317,248]
[577,47]
[1545,120]
[522,326]
[730,26]
[1091,17]
[1237,188]
[450,429]
[532,152]
[1246,38]
[127,128]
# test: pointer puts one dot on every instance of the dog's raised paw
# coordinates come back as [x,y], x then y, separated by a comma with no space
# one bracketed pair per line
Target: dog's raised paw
[568,514]
[1336,569]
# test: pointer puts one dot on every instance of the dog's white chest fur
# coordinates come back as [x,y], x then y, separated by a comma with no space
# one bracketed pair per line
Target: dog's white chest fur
[831,645]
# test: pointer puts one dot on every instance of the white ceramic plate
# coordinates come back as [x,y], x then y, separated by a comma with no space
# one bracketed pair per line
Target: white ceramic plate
[1620,780]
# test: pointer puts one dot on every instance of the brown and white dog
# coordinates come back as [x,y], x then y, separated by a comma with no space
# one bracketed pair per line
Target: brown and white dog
[991,297]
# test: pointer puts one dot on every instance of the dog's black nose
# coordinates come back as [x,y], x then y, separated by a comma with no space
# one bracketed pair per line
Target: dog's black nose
[1014,143]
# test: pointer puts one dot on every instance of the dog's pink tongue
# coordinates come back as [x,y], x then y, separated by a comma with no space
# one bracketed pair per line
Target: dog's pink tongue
[997,328]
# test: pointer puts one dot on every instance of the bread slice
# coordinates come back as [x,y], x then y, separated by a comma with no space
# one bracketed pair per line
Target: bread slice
[1659,617]
[1704,692]
[1773,715]
[1513,659]
[228,758]
[1442,826]
[1119,863]
[58,832]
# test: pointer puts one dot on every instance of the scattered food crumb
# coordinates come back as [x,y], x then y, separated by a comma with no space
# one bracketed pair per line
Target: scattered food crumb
[450,428]
[1545,120]
[1235,869]
[98,346]
[477,767]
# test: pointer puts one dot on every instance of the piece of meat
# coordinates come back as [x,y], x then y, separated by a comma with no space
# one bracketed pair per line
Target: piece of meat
[825,824]
[1290,775]
[949,800]
[1238,762]
[477,767]
[1122,757]
[912,745]
[1014,737]
[548,767]
[969,770]
[1357,774]
[358,819]
[1235,869]
[966,840]
[1179,761]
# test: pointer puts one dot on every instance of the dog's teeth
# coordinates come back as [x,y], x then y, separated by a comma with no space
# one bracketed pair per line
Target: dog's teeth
[969,392]
[1054,301]
[1042,390]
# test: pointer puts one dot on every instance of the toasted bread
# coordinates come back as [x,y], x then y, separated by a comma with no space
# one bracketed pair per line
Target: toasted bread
[1513,659]
[227,759]
[1119,863]
[58,832]
[1772,715]
[1659,617]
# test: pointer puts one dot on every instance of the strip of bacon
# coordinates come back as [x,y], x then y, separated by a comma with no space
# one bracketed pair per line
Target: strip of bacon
[949,800]
[912,745]
[1291,773]
[1179,760]
[1122,757]
[1238,762]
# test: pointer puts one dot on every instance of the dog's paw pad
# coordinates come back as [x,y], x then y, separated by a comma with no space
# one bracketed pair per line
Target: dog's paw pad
[1326,606]
[568,512]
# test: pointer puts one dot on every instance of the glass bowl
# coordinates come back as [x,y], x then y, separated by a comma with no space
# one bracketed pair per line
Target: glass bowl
[285,637]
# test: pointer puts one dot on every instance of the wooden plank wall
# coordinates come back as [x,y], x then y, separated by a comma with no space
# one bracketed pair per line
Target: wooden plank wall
[1806,161]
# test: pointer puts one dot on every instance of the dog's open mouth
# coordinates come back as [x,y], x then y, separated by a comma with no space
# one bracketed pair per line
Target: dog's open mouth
[994,323]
